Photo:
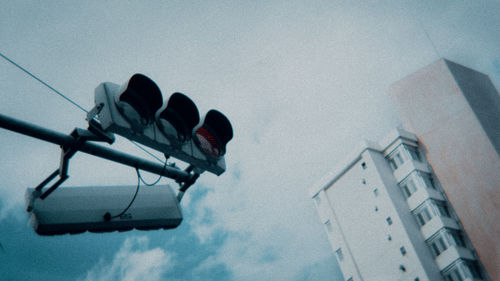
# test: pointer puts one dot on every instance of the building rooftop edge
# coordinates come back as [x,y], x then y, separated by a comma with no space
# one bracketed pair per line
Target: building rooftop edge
[440,60]
[342,166]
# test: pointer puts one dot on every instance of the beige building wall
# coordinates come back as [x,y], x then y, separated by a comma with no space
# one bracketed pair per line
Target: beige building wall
[455,112]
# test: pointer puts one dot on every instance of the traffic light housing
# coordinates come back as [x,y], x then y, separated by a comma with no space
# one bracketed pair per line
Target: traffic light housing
[136,111]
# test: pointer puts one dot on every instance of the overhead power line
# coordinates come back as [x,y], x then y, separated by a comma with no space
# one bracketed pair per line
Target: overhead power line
[148,152]
[67,98]
[45,84]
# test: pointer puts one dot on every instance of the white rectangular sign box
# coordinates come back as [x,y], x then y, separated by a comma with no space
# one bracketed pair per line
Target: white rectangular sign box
[96,209]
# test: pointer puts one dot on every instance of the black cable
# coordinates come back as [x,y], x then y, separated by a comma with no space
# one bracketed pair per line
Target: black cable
[45,84]
[156,181]
[108,216]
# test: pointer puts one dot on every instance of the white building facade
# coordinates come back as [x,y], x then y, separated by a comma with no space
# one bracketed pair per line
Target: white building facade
[387,217]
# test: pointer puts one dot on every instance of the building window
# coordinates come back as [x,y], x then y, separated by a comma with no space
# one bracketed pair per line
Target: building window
[340,255]
[375,192]
[444,239]
[413,151]
[442,209]
[389,220]
[429,209]
[395,160]
[427,180]
[363,165]
[389,237]
[350,279]
[402,250]
[401,154]
[414,181]
[457,238]
[402,268]
[408,186]
[423,216]
[376,209]
[328,225]
[439,245]
[363,181]
[462,270]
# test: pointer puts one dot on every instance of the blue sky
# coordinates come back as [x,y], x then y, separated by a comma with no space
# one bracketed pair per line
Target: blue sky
[301,81]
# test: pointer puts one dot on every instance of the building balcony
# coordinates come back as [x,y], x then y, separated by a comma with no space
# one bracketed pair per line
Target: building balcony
[409,166]
[422,194]
[436,223]
[452,254]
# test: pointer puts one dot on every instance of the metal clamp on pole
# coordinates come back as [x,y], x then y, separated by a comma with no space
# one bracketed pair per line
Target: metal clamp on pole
[95,127]
[80,136]
[189,182]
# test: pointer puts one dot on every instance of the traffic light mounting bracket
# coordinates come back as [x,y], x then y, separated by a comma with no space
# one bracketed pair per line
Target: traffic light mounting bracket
[80,136]
[78,141]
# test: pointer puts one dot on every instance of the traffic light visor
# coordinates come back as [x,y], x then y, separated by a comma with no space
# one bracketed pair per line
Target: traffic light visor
[182,114]
[143,96]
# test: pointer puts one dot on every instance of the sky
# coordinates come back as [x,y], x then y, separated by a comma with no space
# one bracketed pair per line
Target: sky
[302,83]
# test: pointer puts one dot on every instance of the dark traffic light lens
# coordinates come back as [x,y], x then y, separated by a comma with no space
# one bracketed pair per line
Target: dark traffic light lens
[182,114]
[144,96]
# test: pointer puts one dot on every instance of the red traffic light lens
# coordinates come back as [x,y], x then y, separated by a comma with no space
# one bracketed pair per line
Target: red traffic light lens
[213,135]
[208,142]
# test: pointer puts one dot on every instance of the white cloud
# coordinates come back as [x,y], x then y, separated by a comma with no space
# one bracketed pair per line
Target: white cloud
[311,99]
[300,83]
[134,261]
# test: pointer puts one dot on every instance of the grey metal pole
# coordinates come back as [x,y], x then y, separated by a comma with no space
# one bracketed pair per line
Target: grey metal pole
[61,139]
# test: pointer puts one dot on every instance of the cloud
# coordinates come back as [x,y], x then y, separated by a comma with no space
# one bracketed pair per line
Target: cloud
[134,261]
[306,105]
[301,83]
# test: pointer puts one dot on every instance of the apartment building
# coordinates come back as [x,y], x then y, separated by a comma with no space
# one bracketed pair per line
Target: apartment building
[422,205]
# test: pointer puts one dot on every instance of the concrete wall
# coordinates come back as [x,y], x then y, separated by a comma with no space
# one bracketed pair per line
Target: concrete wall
[443,113]
[409,234]
[361,216]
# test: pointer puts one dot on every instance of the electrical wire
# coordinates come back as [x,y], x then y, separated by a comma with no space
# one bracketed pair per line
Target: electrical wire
[156,181]
[145,150]
[66,98]
[108,216]
[45,84]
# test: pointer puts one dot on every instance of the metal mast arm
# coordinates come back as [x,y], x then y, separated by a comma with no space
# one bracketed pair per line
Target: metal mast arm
[63,140]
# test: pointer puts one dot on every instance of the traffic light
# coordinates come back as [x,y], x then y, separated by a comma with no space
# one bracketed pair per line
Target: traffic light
[138,100]
[136,111]
[214,133]
[178,119]
[100,209]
